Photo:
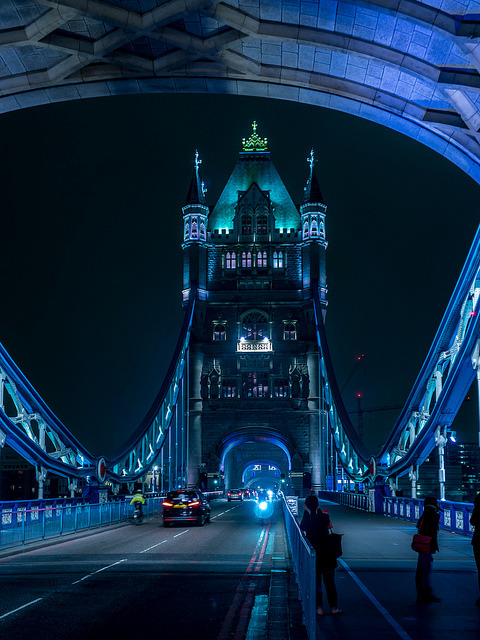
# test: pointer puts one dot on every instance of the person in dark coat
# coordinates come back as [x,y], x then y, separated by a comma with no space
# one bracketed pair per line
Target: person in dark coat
[316,526]
[427,525]
[475,522]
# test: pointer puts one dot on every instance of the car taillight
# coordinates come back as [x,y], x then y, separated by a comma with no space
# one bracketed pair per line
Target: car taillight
[167,504]
[229,494]
[195,503]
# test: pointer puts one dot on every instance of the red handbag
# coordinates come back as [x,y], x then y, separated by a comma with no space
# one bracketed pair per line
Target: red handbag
[421,544]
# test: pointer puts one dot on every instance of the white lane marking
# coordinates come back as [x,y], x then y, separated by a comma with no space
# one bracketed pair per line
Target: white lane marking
[98,571]
[222,513]
[181,533]
[19,608]
[388,617]
[153,546]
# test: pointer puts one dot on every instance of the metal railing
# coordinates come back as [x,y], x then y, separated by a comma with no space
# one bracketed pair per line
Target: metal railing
[303,556]
[22,525]
[455,516]
[355,500]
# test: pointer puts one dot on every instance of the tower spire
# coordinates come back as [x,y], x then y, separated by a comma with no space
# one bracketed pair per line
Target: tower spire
[312,193]
[196,192]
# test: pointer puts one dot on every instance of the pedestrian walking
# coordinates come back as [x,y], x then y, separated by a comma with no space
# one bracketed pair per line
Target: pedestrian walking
[316,526]
[427,525]
[475,522]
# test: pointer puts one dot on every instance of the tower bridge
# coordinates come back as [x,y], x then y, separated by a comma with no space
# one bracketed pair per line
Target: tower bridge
[251,377]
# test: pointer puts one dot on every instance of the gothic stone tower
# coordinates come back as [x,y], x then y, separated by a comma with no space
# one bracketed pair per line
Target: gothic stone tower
[253,260]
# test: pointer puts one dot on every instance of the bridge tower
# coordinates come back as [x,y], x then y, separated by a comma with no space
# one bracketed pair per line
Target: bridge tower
[253,259]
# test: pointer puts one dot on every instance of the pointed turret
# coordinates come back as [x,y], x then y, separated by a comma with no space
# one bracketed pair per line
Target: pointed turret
[196,192]
[312,192]
[313,211]
[195,216]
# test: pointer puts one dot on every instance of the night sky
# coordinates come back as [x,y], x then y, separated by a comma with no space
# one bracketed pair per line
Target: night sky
[91,226]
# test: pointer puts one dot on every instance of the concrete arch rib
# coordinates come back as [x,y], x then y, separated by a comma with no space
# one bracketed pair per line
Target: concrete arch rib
[442,143]
[408,65]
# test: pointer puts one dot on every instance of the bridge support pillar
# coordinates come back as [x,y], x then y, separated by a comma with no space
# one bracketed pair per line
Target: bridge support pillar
[413,475]
[441,441]
[317,454]
[41,477]
[194,449]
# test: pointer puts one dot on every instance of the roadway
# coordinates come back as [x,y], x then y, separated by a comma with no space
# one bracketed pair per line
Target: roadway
[207,581]
[132,580]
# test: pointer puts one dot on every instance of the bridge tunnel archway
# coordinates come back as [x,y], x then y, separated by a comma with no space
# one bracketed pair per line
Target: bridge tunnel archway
[255,456]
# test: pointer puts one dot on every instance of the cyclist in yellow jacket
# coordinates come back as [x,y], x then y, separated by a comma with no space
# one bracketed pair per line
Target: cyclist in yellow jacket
[138,501]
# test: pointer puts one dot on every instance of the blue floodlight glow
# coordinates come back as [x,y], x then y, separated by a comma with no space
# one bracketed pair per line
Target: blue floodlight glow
[264,509]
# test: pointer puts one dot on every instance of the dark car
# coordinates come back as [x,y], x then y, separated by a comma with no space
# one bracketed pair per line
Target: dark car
[234,494]
[185,505]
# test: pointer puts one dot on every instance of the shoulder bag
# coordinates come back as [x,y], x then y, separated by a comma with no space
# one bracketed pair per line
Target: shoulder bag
[421,544]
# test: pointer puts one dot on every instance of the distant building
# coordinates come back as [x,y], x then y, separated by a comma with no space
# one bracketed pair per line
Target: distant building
[18,479]
[462,473]
[17,476]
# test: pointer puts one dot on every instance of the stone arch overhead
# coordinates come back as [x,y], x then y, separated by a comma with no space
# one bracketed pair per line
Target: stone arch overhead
[412,66]
[251,435]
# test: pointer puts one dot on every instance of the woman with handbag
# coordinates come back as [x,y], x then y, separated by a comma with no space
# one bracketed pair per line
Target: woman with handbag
[427,525]
[316,526]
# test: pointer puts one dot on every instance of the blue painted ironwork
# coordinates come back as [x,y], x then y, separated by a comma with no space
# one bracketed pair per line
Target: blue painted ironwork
[23,523]
[36,433]
[443,382]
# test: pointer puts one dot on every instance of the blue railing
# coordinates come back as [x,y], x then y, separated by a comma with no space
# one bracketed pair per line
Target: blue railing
[455,516]
[303,557]
[348,499]
[22,524]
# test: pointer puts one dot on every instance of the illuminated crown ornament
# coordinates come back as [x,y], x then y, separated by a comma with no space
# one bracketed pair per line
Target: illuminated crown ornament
[254,142]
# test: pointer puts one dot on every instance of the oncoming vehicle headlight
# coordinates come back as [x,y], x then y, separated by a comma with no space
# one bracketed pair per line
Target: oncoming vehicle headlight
[262,505]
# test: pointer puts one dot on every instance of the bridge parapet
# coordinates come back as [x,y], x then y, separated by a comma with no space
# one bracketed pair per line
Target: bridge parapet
[454,517]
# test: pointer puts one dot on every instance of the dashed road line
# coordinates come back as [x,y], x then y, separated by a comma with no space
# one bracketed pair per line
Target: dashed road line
[155,545]
[98,571]
[20,608]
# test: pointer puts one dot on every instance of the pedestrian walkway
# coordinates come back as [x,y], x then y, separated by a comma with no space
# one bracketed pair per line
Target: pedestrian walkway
[376,583]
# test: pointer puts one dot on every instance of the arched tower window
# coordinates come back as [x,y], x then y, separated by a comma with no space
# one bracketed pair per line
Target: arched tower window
[194,228]
[244,258]
[187,229]
[289,331]
[234,260]
[246,225]
[262,259]
[255,326]
[219,332]
[278,259]
[249,259]
[228,260]
[262,225]
[305,229]
[314,230]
